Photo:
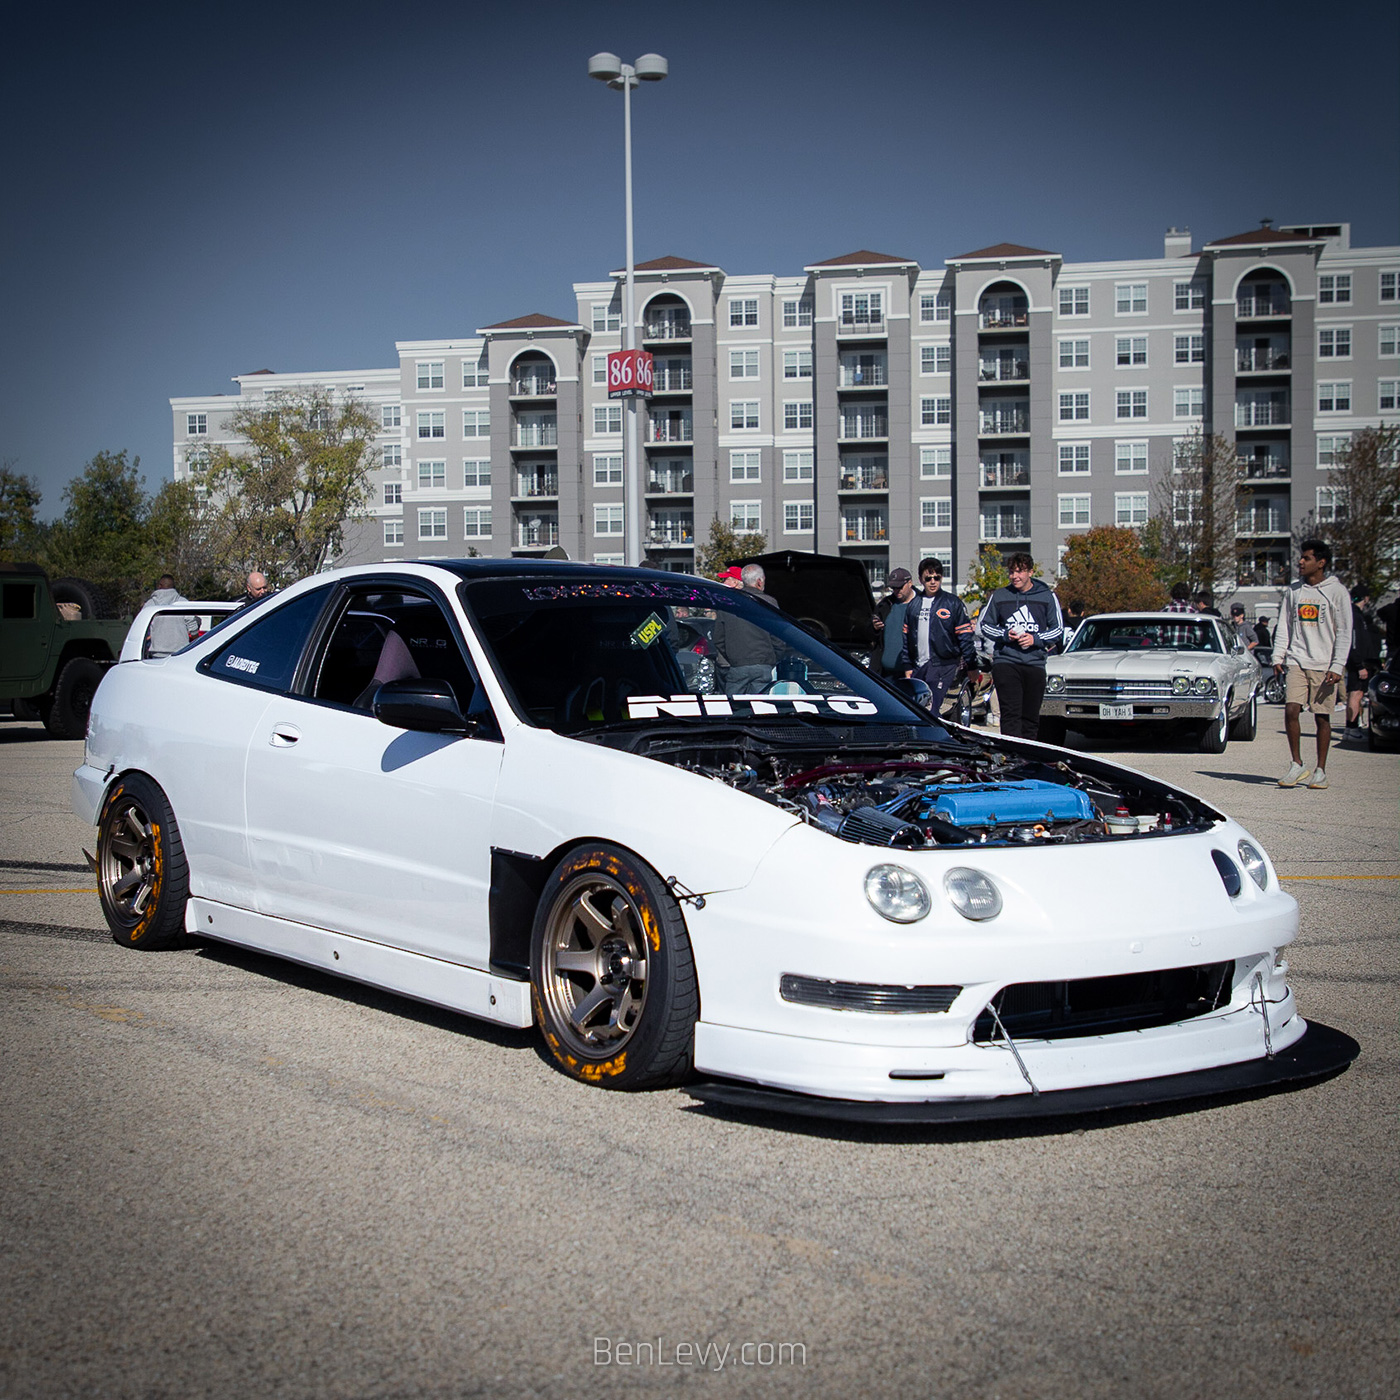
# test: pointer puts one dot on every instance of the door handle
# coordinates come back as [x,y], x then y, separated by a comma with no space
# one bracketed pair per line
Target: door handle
[284,736]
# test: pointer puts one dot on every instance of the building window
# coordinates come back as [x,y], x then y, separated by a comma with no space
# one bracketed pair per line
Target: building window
[797,313]
[1130,507]
[862,308]
[1132,349]
[1074,407]
[1334,397]
[1074,354]
[1331,504]
[475,374]
[476,522]
[600,369]
[1189,296]
[798,517]
[1074,458]
[196,424]
[1074,301]
[743,415]
[1184,505]
[797,414]
[432,524]
[745,466]
[743,311]
[393,454]
[935,463]
[1074,510]
[1130,459]
[607,469]
[1130,298]
[605,318]
[746,515]
[743,364]
[1390,341]
[476,472]
[393,532]
[797,465]
[1190,349]
[476,423]
[935,359]
[432,474]
[393,493]
[1131,403]
[390,415]
[1330,448]
[432,425]
[1188,403]
[430,374]
[1387,395]
[1390,286]
[1334,343]
[614,559]
[1334,288]
[935,412]
[607,520]
[935,306]
[936,513]
[607,419]
[797,364]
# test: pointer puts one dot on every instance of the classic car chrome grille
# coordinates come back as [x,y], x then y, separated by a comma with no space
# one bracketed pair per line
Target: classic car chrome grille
[1118,690]
[865,996]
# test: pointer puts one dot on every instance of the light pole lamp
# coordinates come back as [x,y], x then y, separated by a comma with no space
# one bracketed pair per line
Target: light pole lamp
[609,69]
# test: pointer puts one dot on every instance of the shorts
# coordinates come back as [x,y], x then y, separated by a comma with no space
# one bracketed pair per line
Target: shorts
[1310,689]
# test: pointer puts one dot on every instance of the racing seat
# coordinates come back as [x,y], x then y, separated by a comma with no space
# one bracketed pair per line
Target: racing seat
[395,664]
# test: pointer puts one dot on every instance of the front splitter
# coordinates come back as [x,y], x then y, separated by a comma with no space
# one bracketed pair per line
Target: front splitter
[1321,1051]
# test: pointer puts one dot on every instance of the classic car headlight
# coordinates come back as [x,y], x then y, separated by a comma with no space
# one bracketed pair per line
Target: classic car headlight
[1253,861]
[1181,684]
[1386,685]
[1204,686]
[897,894]
[1055,685]
[971,893]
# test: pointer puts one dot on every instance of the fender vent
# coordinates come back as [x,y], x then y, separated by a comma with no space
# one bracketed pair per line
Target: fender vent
[865,996]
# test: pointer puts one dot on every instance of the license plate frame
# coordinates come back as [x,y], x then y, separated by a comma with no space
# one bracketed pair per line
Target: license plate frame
[1107,711]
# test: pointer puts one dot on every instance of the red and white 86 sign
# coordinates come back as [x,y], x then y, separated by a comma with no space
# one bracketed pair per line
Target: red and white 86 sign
[629,372]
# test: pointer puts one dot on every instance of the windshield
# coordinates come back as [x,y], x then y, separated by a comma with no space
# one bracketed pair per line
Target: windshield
[581,655]
[1144,634]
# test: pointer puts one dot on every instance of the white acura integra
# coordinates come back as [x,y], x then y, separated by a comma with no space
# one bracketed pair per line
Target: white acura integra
[521,790]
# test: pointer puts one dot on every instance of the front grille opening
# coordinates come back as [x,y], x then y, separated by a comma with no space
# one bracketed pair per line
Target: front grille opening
[865,996]
[1102,1005]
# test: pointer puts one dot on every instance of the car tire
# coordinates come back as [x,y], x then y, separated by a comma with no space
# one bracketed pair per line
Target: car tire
[612,973]
[1247,725]
[1275,691]
[1052,731]
[143,879]
[72,698]
[1216,735]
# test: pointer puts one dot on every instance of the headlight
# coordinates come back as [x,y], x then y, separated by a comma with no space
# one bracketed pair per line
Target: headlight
[1180,685]
[1055,685]
[897,894]
[1204,686]
[1386,685]
[1253,861]
[972,894]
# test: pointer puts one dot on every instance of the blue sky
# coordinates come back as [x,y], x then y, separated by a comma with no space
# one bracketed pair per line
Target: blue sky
[194,192]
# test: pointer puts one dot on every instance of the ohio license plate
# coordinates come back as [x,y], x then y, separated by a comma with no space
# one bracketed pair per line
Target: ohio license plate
[1115,712]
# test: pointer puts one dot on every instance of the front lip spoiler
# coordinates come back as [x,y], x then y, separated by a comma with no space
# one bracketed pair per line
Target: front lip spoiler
[1321,1052]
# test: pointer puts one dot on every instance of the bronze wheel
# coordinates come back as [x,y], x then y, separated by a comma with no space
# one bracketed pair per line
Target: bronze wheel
[142,878]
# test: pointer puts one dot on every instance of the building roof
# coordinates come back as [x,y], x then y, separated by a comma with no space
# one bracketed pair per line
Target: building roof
[1264,235]
[671,263]
[1001,251]
[535,321]
[864,258]
[252,372]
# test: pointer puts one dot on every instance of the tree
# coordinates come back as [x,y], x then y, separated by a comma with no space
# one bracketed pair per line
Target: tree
[19,503]
[1106,569]
[283,503]
[725,546]
[1195,519]
[183,539]
[102,535]
[985,575]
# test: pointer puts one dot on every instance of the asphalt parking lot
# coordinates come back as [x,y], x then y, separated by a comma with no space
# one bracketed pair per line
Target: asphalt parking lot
[221,1175]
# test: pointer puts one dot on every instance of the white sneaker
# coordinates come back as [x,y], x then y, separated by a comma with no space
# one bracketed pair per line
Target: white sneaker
[1295,776]
[1318,779]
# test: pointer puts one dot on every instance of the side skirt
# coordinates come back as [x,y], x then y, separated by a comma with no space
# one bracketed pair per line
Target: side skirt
[449,985]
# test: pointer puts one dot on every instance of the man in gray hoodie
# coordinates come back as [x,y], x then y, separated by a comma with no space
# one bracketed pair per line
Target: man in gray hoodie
[170,632]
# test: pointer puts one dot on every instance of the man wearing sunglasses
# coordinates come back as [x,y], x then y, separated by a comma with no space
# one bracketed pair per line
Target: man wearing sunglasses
[939,634]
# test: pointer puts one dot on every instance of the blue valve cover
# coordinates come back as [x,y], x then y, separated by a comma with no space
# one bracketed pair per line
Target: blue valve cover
[989,804]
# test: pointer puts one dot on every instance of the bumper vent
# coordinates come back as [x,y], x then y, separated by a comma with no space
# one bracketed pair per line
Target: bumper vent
[1104,1005]
[865,996]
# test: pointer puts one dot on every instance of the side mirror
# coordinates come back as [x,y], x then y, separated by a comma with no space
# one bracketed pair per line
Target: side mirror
[430,707]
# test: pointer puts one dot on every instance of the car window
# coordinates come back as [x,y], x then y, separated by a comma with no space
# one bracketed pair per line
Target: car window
[1140,634]
[265,655]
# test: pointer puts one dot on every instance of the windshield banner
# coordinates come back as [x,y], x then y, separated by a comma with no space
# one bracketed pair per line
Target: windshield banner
[689,706]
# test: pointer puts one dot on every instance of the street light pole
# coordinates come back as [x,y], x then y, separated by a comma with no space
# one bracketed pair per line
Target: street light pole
[608,68]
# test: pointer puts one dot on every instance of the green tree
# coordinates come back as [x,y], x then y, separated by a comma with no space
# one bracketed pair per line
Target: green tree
[985,575]
[1196,515]
[1106,570]
[183,539]
[725,546]
[19,505]
[102,534]
[284,500]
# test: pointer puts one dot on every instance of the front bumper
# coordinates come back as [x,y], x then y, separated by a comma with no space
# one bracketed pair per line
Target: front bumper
[1177,707]
[1316,1052]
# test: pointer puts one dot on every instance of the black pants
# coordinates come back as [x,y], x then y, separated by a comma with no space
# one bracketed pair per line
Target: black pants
[1020,691]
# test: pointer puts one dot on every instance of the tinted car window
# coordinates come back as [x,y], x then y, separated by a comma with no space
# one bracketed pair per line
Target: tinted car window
[265,655]
[1099,634]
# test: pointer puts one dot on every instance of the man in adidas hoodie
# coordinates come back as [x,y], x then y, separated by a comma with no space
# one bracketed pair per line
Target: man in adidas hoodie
[1020,622]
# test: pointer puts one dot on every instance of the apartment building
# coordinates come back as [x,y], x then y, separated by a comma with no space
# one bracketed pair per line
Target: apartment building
[873,407]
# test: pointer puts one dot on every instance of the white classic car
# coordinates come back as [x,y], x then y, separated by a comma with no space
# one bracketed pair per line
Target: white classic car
[1128,669]
[497,786]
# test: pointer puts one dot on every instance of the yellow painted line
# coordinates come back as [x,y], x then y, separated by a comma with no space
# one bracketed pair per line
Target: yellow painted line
[49,889]
[1339,877]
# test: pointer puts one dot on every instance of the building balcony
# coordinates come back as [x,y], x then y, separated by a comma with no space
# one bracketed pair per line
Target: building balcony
[865,526]
[1004,319]
[535,434]
[671,530]
[1004,525]
[1015,421]
[670,428]
[864,427]
[861,323]
[1265,302]
[995,474]
[1255,361]
[536,532]
[672,381]
[533,386]
[1003,370]
[1264,468]
[864,478]
[666,328]
[529,485]
[867,372]
[1262,520]
[671,483]
[1262,415]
